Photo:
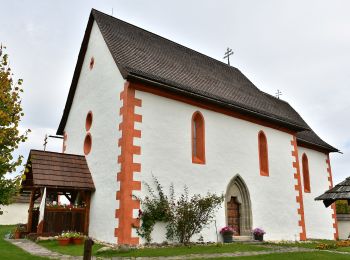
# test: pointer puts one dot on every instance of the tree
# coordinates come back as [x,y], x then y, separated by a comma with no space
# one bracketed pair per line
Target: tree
[10,137]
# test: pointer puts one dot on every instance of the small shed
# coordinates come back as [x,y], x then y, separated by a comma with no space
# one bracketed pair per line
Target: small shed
[340,191]
[58,174]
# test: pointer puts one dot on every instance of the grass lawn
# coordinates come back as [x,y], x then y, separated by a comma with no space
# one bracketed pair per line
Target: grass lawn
[74,250]
[9,251]
[168,251]
[344,249]
[183,250]
[312,244]
[292,256]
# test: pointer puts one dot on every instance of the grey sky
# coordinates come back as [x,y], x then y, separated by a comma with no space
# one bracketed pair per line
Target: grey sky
[299,47]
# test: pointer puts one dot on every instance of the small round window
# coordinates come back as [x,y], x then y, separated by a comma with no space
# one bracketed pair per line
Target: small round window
[87,144]
[88,121]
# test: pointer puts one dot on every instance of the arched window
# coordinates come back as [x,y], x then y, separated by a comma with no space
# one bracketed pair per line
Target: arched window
[198,138]
[263,154]
[306,175]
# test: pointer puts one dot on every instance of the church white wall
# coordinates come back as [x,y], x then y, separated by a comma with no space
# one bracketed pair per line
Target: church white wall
[231,148]
[98,90]
[318,218]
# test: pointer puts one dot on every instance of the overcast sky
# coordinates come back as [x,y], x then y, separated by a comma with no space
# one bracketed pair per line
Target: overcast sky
[299,47]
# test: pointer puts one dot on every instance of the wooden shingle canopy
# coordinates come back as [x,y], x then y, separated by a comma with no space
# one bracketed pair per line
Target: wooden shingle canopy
[58,171]
[340,191]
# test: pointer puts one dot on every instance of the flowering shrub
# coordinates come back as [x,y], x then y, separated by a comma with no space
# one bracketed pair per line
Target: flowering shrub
[324,246]
[70,234]
[227,230]
[258,232]
[343,243]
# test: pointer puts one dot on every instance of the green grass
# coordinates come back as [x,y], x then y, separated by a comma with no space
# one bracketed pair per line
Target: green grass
[10,251]
[74,250]
[344,249]
[310,244]
[77,250]
[184,250]
[293,256]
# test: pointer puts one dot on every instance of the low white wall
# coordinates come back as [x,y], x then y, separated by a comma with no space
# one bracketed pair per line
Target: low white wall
[14,213]
[343,225]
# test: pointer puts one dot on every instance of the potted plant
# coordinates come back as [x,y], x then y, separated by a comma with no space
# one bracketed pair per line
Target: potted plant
[227,233]
[258,234]
[64,239]
[77,238]
[19,230]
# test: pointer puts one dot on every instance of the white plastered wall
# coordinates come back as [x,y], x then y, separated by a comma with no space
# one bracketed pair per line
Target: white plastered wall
[344,229]
[318,219]
[14,213]
[98,90]
[231,148]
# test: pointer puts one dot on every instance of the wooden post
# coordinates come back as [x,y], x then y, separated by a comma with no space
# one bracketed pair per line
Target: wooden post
[87,212]
[30,211]
[88,248]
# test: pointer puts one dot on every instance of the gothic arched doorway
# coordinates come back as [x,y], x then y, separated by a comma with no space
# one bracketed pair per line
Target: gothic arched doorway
[238,206]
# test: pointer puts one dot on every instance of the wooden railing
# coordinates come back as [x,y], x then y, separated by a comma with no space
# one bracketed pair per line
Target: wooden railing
[63,219]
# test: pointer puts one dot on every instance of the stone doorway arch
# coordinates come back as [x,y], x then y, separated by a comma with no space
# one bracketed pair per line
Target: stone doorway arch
[240,211]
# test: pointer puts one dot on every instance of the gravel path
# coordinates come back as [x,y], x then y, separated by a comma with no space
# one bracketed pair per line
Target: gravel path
[35,249]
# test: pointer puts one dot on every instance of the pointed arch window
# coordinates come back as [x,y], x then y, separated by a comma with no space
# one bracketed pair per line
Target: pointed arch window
[263,154]
[198,138]
[306,175]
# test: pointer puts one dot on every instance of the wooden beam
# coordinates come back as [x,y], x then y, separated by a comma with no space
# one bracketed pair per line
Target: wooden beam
[37,195]
[30,211]
[87,212]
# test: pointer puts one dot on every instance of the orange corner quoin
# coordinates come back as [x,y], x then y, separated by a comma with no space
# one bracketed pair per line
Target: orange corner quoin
[334,215]
[127,204]
[298,188]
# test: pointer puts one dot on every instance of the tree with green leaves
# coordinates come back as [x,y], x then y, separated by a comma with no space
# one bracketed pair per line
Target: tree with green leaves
[10,137]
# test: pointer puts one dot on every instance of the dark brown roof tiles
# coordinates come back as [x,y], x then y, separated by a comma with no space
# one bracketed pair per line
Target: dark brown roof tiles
[142,55]
[60,170]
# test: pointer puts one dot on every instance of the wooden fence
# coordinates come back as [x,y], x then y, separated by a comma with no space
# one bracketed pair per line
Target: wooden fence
[63,219]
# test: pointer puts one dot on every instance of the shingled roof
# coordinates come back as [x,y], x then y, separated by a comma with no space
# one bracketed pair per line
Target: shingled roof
[144,56]
[57,170]
[340,191]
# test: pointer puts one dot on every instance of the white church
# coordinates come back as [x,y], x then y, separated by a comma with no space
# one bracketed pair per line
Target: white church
[142,105]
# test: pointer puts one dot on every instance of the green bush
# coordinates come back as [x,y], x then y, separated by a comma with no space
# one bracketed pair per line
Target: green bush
[155,208]
[189,215]
[185,216]
[342,207]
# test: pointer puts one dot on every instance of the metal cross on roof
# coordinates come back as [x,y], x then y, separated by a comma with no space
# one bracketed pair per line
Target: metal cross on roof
[45,142]
[228,53]
[278,94]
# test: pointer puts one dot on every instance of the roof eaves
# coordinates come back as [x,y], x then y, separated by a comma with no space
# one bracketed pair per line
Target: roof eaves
[326,148]
[138,77]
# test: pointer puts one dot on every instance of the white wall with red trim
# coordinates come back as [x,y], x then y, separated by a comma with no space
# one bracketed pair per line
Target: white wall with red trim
[318,218]
[231,148]
[98,91]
